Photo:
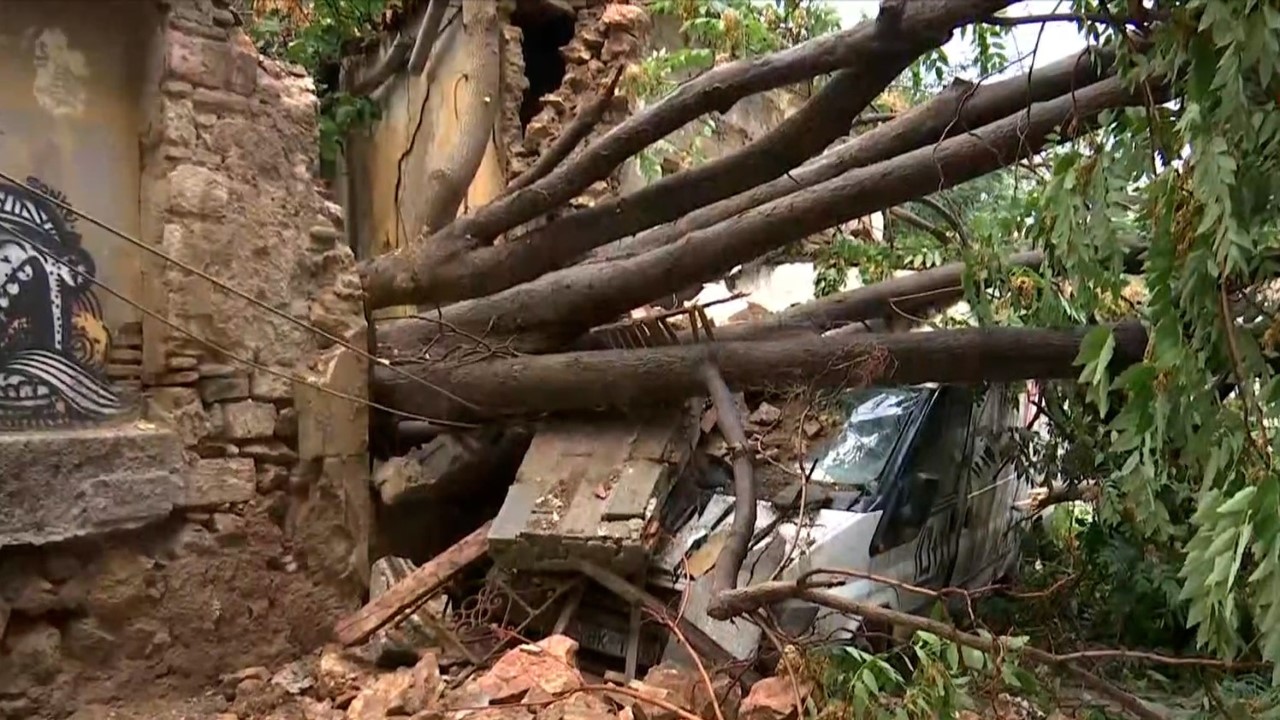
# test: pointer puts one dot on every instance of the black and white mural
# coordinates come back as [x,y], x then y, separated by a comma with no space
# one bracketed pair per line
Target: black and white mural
[53,341]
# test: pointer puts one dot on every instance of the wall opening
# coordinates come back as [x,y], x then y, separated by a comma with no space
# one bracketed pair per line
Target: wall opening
[546,29]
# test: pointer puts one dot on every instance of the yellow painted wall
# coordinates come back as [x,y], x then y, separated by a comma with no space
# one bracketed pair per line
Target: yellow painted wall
[420,122]
[70,115]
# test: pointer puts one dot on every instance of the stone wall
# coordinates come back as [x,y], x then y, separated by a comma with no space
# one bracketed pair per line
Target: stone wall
[230,525]
[606,37]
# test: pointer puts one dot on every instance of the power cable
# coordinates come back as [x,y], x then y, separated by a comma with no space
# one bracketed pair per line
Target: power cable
[234,291]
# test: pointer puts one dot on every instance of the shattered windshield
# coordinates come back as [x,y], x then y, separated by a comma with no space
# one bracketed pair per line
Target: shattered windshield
[857,454]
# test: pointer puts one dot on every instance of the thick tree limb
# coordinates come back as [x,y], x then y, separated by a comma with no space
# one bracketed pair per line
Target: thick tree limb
[729,420]
[572,301]
[901,33]
[920,223]
[956,110]
[477,103]
[389,64]
[746,600]
[580,381]
[940,286]
[572,136]
[428,31]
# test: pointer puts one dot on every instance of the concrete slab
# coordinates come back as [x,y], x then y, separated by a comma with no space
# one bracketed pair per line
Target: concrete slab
[589,488]
[61,484]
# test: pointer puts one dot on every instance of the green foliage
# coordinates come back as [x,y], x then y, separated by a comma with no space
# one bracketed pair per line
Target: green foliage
[1181,441]
[929,678]
[712,32]
[318,41]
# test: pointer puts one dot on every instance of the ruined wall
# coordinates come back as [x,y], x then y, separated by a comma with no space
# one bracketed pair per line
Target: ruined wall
[68,124]
[229,526]
[388,165]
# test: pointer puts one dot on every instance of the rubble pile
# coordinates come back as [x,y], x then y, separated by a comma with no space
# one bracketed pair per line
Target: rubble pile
[537,680]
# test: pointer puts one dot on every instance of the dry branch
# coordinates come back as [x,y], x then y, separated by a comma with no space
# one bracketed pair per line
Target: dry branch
[635,378]
[902,32]
[729,420]
[747,600]
[572,136]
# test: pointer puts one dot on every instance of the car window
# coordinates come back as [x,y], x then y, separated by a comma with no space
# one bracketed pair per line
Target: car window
[857,455]
[934,466]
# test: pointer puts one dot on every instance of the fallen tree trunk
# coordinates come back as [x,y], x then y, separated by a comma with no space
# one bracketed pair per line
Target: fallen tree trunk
[567,303]
[436,270]
[958,109]
[584,381]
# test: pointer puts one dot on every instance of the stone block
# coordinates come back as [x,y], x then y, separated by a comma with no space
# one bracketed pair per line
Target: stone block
[249,420]
[224,388]
[219,481]
[196,190]
[200,61]
[332,524]
[62,484]
[329,425]
[271,386]
[242,70]
[179,408]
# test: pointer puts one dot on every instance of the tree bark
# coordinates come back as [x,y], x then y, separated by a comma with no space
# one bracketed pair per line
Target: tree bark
[569,302]
[907,295]
[477,104]
[897,37]
[583,381]
[956,110]
[428,31]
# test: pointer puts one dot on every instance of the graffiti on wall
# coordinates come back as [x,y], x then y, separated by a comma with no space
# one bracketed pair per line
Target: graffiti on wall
[53,341]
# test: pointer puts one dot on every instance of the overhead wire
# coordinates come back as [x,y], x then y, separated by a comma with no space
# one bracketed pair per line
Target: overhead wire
[233,290]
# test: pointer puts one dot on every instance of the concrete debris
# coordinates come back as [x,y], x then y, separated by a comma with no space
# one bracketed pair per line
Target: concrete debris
[774,698]
[535,681]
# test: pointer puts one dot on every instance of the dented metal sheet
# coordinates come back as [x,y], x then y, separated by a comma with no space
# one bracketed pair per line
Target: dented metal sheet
[588,488]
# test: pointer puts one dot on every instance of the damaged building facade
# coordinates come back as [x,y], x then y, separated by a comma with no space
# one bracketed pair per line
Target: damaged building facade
[183,466]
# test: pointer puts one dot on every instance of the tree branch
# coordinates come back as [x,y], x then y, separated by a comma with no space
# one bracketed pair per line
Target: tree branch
[729,420]
[477,101]
[411,274]
[741,602]
[428,31]
[572,301]
[571,137]
[389,64]
[959,108]
[533,384]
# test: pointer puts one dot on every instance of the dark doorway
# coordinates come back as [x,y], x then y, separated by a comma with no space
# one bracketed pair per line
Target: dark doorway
[546,29]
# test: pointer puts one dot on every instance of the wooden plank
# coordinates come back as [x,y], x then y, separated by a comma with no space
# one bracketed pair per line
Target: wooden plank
[414,588]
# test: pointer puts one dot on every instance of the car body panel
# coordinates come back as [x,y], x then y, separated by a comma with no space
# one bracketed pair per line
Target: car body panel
[964,535]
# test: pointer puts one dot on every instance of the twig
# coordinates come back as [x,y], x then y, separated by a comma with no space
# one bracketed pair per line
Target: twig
[729,562]
[572,136]
[1100,18]
[697,662]
[993,645]
[623,588]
